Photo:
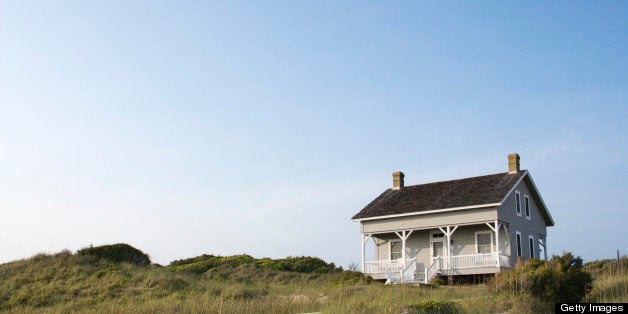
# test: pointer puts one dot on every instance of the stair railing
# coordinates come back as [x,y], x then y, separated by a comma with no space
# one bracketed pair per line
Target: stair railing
[432,269]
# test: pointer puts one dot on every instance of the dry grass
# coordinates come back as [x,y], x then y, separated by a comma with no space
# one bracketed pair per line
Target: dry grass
[66,283]
[609,288]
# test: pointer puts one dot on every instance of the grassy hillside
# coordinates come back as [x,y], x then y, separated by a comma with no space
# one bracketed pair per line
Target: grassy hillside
[66,282]
[611,280]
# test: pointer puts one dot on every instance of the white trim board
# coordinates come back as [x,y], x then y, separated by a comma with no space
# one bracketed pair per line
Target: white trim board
[536,191]
[428,212]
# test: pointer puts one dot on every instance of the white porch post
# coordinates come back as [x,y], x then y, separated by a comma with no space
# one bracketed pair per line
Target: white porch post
[545,247]
[403,248]
[495,229]
[448,247]
[405,234]
[363,257]
[365,238]
[448,234]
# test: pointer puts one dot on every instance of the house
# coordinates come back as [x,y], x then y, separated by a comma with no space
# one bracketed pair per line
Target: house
[470,226]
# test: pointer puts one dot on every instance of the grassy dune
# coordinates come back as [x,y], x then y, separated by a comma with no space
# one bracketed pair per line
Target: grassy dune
[66,282]
[611,280]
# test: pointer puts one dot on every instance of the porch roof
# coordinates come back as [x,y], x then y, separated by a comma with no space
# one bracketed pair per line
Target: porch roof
[467,192]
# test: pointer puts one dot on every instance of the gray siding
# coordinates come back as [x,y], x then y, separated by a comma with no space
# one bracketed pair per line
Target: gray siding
[534,226]
[426,221]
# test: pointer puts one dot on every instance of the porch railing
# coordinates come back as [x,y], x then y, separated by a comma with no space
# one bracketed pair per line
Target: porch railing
[479,260]
[432,270]
[380,267]
[440,263]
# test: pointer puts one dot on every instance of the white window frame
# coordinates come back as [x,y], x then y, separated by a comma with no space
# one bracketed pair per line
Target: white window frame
[526,206]
[517,203]
[531,244]
[477,251]
[390,248]
[518,244]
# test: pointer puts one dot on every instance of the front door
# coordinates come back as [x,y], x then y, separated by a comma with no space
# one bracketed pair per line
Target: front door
[438,248]
[437,245]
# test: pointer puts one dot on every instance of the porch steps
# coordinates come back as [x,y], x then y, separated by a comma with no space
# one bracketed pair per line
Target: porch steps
[419,276]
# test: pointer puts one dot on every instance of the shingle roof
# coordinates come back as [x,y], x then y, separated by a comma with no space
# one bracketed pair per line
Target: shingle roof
[488,189]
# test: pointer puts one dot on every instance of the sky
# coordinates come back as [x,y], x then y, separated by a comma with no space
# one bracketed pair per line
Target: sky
[261,127]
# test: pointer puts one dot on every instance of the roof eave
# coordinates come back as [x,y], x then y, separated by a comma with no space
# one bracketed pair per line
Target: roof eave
[428,212]
[549,223]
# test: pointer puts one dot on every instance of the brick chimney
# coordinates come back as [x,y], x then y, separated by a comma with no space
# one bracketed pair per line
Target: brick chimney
[513,163]
[397,180]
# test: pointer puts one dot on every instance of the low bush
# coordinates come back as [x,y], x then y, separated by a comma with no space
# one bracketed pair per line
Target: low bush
[437,281]
[349,277]
[433,307]
[302,264]
[192,260]
[117,253]
[559,280]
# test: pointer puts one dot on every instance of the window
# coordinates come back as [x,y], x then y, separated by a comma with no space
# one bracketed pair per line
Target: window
[519,248]
[437,235]
[531,246]
[526,205]
[484,242]
[395,250]
[518,202]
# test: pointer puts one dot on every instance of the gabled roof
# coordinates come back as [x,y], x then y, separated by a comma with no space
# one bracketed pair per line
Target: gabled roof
[482,191]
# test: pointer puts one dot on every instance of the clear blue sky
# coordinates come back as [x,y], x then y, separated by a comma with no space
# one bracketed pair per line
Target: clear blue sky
[261,127]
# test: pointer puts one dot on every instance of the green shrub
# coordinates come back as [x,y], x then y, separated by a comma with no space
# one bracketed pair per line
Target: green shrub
[349,277]
[559,280]
[437,281]
[117,253]
[236,260]
[434,307]
[307,264]
[192,260]
[200,266]
[302,264]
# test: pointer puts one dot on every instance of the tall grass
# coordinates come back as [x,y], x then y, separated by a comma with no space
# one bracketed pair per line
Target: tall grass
[69,283]
[611,280]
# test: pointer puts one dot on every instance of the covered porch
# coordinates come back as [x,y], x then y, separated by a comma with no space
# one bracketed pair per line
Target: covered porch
[417,255]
